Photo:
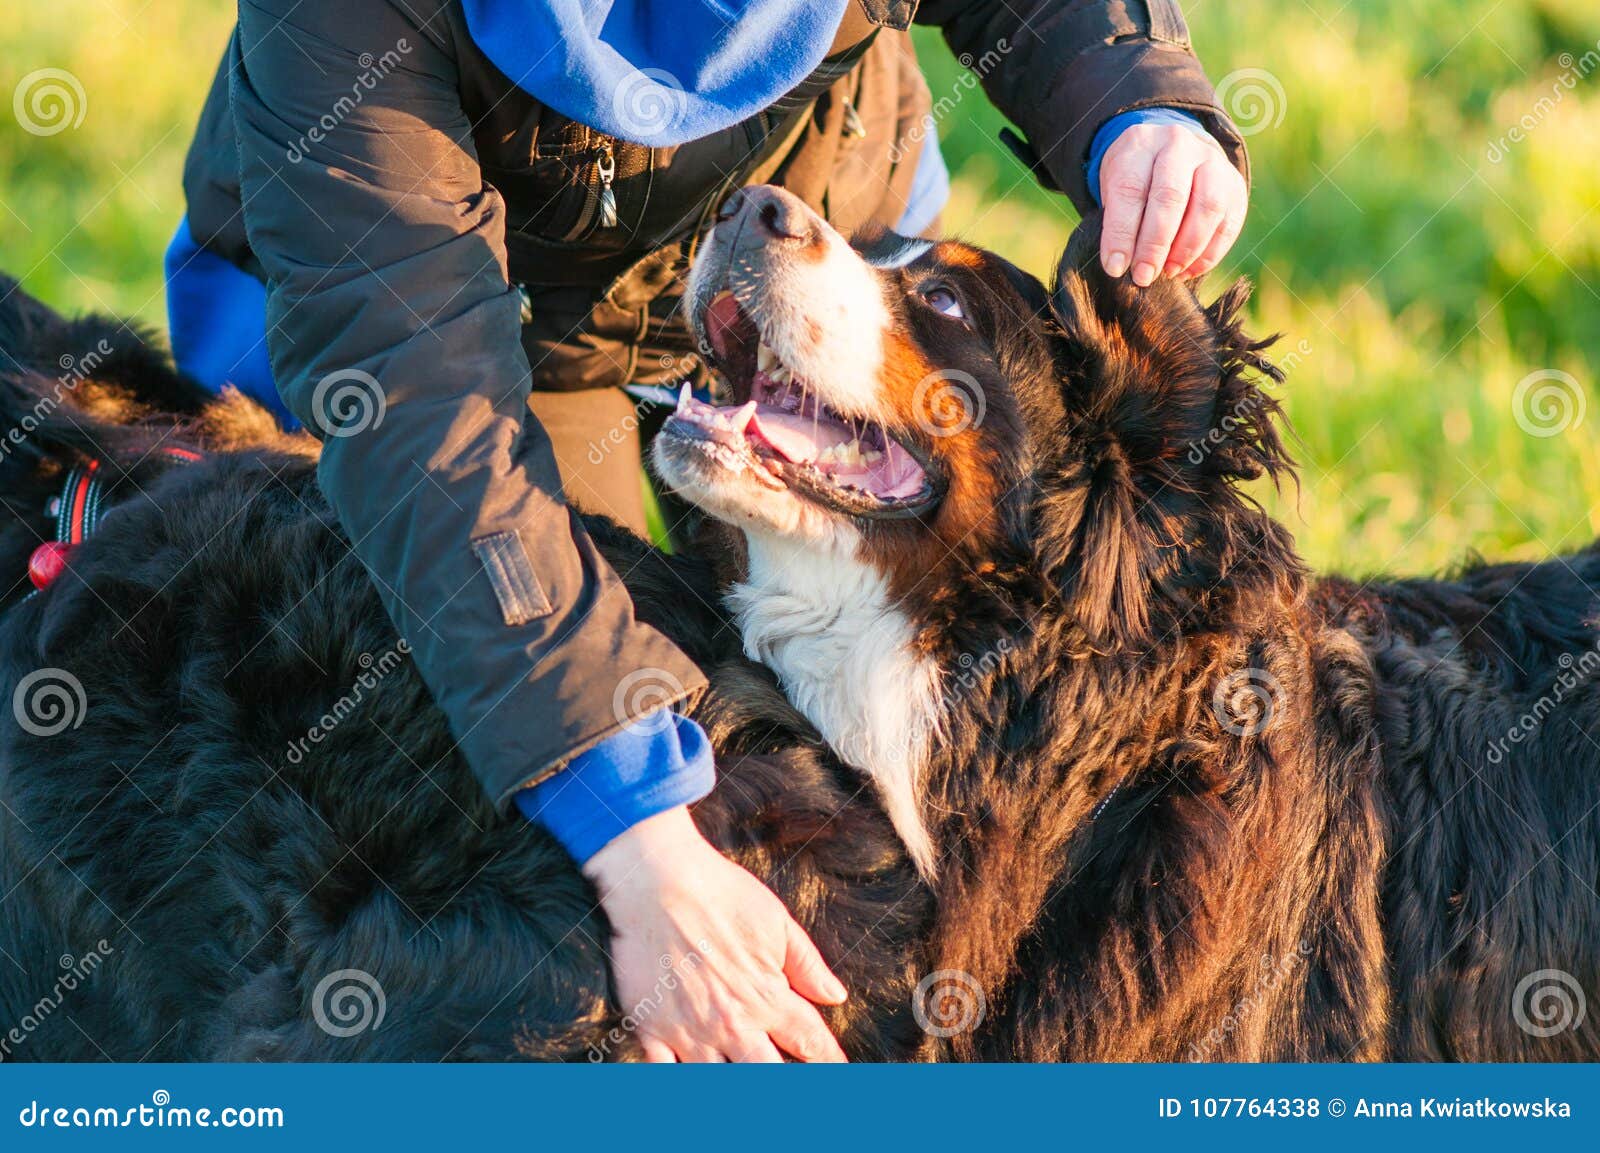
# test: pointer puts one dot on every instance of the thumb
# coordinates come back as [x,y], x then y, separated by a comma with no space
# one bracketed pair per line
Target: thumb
[807,972]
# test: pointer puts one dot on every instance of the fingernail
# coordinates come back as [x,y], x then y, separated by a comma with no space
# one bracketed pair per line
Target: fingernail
[836,987]
[1116,264]
[1172,268]
[1144,274]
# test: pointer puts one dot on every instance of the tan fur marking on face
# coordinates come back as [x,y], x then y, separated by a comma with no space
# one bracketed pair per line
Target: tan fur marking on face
[969,512]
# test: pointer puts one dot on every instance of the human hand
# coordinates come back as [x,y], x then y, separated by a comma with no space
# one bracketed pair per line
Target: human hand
[1174,203]
[742,969]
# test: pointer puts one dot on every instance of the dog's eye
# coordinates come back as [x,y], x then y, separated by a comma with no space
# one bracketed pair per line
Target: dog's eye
[941,299]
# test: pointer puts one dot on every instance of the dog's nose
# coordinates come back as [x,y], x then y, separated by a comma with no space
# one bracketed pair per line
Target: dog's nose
[770,213]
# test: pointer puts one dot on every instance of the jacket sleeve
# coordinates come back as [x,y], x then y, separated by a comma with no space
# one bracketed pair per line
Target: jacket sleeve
[394,336]
[1059,69]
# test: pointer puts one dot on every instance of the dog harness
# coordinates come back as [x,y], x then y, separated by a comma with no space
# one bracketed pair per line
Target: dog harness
[78,510]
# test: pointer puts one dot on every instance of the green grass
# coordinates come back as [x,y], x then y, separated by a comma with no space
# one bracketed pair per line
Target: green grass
[1417,280]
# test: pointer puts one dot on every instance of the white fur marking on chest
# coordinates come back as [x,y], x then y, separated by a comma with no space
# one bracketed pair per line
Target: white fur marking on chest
[822,621]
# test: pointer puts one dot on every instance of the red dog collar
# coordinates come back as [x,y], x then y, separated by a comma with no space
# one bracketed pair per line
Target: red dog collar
[78,511]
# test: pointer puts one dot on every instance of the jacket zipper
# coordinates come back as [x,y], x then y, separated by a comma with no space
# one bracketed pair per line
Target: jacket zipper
[599,198]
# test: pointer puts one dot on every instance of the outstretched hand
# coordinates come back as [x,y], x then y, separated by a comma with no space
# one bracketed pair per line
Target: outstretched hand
[1174,203]
[705,958]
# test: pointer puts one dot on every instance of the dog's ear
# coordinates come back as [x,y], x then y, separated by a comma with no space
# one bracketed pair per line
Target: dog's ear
[1165,412]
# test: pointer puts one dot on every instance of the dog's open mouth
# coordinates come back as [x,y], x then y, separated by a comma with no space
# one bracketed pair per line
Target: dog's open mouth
[787,437]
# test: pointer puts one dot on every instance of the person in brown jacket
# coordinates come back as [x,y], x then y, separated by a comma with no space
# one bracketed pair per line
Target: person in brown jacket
[446,236]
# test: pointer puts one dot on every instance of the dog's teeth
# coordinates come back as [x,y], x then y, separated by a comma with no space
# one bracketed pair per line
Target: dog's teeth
[685,395]
[781,374]
[741,419]
[766,359]
[849,453]
[871,456]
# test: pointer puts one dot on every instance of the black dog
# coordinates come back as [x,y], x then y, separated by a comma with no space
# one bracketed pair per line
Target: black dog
[1140,789]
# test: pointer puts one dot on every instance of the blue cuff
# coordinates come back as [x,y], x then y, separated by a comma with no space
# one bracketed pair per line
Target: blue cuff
[1120,123]
[655,764]
[217,323]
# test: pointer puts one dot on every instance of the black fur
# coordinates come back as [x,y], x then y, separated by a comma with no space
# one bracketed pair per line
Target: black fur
[1133,869]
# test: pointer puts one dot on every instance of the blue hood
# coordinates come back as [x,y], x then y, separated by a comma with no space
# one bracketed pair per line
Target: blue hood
[657,72]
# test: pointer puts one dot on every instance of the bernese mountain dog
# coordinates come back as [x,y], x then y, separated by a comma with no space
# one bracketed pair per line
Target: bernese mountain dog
[1026,709]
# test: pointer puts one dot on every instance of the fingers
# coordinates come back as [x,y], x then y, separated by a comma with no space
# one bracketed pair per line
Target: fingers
[1124,186]
[692,1052]
[807,972]
[1227,233]
[656,1052]
[756,1050]
[1210,199]
[1171,181]
[1173,204]
[801,1032]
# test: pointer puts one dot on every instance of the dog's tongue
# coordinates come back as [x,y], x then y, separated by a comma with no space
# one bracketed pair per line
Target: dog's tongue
[797,436]
[894,475]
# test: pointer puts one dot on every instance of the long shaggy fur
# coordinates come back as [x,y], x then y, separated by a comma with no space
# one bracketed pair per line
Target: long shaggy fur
[1194,804]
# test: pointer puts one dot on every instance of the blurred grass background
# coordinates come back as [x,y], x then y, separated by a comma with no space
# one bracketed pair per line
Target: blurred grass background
[1419,262]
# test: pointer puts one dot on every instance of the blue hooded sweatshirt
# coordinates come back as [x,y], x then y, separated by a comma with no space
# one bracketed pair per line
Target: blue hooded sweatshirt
[705,64]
